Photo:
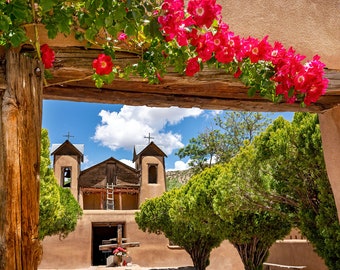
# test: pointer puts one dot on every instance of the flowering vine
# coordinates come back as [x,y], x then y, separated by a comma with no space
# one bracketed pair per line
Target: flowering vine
[167,34]
[203,38]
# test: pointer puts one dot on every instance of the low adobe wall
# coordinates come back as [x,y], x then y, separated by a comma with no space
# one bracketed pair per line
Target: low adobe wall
[75,251]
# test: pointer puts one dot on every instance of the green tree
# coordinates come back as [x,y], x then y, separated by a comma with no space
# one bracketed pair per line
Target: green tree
[59,211]
[202,150]
[180,213]
[291,154]
[238,127]
[249,226]
[220,144]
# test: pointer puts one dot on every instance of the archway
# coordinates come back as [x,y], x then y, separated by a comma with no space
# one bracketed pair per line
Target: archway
[21,86]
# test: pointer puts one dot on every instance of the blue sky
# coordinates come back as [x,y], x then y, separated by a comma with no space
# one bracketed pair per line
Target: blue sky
[108,130]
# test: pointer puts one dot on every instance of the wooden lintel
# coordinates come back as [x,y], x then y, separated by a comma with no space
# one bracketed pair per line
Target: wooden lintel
[209,89]
[112,246]
[103,190]
[182,99]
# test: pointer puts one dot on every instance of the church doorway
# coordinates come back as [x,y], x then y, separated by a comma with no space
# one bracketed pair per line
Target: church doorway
[102,231]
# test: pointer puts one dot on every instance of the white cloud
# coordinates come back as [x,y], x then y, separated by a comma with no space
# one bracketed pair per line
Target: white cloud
[180,166]
[130,125]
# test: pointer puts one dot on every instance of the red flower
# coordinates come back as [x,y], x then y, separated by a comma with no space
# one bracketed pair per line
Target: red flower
[238,73]
[204,11]
[192,67]
[103,64]
[257,50]
[159,77]
[204,46]
[47,56]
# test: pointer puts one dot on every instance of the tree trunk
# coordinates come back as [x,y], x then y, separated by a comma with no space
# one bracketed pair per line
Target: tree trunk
[200,255]
[20,133]
[252,254]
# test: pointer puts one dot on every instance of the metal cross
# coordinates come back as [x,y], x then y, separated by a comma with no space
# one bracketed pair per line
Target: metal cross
[149,137]
[68,135]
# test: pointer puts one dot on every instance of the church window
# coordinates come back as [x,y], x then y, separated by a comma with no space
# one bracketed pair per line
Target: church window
[152,174]
[66,176]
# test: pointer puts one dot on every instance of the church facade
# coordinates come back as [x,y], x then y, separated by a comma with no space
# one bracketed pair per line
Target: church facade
[110,193]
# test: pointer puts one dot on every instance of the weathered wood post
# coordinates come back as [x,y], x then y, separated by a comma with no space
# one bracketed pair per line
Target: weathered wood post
[330,134]
[20,132]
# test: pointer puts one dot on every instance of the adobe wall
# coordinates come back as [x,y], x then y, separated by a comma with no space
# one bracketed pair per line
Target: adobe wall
[330,134]
[152,190]
[296,252]
[67,161]
[75,252]
[309,26]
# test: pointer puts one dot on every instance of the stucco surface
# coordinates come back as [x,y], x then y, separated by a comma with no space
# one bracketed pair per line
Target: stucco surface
[309,26]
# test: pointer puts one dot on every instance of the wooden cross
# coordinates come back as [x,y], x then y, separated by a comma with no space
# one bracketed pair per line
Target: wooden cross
[68,135]
[120,241]
[149,137]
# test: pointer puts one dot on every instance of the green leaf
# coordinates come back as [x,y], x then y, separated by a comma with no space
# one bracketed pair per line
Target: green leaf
[46,5]
[109,21]
[90,33]
[99,82]
[130,30]
[251,91]
[120,13]
[52,31]
[5,22]
[19,11]
[18,37]
[291,92]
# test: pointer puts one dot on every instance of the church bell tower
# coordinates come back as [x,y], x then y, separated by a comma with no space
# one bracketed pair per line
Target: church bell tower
[150,162]
[67,158]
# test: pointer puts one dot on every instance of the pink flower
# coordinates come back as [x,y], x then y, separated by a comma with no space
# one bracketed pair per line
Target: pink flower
[229,49]
[122,36]
[173,25]
[204,12]
[277,53]
[257,50]
[173,5]
[47,56]
[192,66]
[103,64]
[204,46]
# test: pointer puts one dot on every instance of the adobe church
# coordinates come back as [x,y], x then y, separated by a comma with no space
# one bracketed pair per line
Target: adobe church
[110,193]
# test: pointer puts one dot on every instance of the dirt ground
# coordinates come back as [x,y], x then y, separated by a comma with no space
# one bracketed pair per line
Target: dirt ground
[128,267]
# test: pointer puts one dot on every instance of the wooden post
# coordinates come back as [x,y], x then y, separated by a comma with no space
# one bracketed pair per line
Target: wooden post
[20,133]
[330,134]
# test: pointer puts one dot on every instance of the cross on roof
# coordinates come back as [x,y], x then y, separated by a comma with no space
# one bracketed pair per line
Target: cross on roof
[68,135]
[149,137]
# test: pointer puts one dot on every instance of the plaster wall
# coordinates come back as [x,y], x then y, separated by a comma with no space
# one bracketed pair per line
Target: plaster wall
[309,26]
[75,252]
[330,134]
[296,252]
[152,190]
[68,161]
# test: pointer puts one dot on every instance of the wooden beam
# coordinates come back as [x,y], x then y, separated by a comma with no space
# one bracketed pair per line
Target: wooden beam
[20,133]
[112,246]
[209,89]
